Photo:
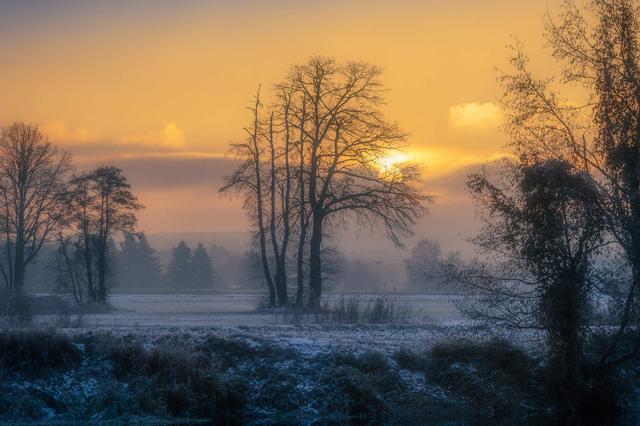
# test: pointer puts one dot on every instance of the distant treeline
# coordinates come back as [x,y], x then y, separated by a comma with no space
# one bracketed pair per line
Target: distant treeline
[137,267]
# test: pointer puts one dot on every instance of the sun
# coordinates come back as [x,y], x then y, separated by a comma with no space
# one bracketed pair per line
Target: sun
[389,164]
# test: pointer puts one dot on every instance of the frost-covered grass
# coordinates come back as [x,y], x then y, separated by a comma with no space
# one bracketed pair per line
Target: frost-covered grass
[170,362]
[268,375]
[353,310]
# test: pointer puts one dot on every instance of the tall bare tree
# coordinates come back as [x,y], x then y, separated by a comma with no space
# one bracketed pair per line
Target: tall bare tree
[303,214]
[247,179]
[326,119]
[33,190]
[348,137]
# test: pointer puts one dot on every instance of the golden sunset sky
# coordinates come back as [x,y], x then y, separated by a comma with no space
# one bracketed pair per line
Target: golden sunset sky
[160,87]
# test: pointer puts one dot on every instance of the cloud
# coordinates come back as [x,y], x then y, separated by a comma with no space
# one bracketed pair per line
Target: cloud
[171,136]
[450,186]
[60,133]
[475,114]
[171,172]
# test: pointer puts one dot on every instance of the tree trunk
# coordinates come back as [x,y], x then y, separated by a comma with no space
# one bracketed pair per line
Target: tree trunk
[302,213]
[18,269]
[315,262]
[301,243]
[260,210]
[281,290]
[286,211]
[102,273]
[565,304]
[88,264]
[265,267]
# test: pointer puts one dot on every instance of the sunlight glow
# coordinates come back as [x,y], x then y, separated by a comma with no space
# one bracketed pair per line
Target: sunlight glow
[389,165]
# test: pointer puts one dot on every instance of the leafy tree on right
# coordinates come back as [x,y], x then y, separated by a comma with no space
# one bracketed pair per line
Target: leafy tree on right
[562,221]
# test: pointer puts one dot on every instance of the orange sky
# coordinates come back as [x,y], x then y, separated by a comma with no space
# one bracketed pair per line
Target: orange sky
[160,87]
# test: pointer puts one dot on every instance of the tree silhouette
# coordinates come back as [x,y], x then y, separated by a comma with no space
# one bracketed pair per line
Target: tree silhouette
[542,231]
[327,120]
[201,268]
[103,204]
[597,48]
[33,197]
[137,265]
[179,269]
[424,266]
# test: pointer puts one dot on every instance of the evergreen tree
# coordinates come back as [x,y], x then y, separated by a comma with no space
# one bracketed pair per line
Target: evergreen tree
[137,265]
[126,263]
[201,268]
[148,263]
[179,270]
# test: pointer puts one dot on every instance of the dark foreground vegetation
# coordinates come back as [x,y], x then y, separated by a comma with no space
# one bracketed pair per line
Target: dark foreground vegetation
[193,378]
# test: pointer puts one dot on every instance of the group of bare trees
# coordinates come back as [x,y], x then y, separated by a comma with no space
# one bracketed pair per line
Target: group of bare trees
[562,222]
[312,159]
[43,201]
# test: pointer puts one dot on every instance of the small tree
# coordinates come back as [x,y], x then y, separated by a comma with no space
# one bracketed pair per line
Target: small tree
[33,197]
[424,266]
[69,268]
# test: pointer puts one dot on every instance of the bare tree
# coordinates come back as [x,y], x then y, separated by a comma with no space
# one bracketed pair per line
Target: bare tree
[33,174]
[303,214]
[327,119]
[347,138]
[247,179]
[69,268]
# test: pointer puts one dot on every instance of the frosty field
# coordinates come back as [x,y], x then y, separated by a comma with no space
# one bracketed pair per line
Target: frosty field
[237,309]
[434,317]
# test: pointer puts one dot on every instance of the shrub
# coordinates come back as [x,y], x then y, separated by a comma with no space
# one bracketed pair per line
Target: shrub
[176,380]
[411,361]
[35,352]
[16,309]
[493,375]
[359,389]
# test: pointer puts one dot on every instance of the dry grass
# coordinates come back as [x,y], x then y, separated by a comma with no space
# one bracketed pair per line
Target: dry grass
[351,310]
